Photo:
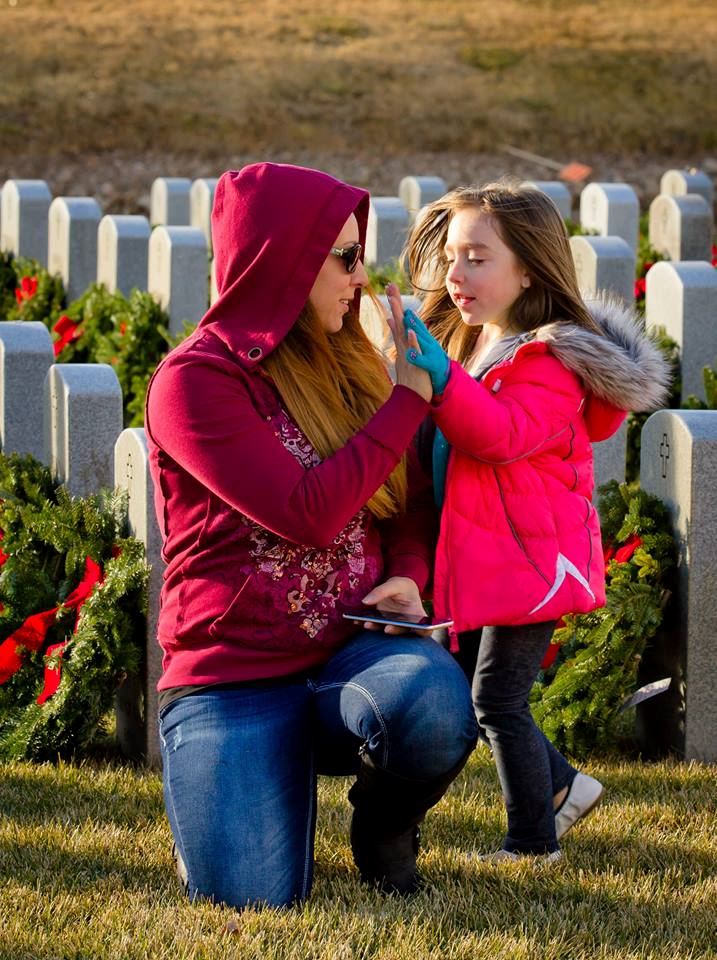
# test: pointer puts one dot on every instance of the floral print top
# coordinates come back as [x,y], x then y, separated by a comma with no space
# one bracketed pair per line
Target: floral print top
[312,586]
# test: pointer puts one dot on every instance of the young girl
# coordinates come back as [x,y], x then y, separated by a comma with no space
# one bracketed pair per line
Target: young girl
[525,377]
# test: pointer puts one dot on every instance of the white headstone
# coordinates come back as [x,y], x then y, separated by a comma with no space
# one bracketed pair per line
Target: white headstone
[213,291]
[604,263]
[386,231]
[131,473]
[122,252]
[179,273]
[682,299]
[25,204]
[72,247]
[83,418]
[678,464]
[681,227]
[609,457]
[201,201]
[558,193]
[677,183]
[26,355]
[169,201]
[613,209]
[416,192]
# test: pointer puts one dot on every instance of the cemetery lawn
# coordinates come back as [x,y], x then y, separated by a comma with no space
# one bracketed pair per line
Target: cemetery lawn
[220,77]
[86,872]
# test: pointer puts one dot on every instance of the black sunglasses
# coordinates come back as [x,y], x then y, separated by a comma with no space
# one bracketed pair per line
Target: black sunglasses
[350,255]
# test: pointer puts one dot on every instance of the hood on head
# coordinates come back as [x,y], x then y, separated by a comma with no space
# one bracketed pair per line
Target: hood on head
[272,228]
[625,368]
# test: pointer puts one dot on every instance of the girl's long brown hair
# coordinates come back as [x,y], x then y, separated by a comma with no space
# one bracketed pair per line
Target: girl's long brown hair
[530,224]
[332,385]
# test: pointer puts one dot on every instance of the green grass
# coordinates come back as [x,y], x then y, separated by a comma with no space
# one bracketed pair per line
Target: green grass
[85,872]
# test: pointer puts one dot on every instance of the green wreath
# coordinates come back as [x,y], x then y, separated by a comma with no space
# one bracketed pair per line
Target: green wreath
[73,612]
[577,698]
[28,291]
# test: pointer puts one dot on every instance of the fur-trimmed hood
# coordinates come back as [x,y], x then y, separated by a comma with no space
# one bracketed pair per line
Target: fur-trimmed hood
[625,368]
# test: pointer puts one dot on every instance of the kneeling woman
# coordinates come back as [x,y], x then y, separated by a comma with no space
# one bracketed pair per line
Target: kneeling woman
[278,452]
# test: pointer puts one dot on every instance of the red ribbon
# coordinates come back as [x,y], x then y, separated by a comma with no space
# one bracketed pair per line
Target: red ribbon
[67,330]
[552,652]
[625,552]
[550,656]
[32,633]
[53,675]
[26,290]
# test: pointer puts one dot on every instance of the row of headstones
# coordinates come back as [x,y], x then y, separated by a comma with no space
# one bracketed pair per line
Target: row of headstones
[681,219]
[76,429]
[680,297]
[72,239]
[71,236]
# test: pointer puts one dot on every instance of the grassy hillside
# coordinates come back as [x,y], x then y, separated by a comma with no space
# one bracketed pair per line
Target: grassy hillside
[563,77]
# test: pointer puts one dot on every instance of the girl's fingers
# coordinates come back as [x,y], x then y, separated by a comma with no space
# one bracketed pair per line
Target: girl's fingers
[414,322]
[413,341]
[423,340]
[417,359]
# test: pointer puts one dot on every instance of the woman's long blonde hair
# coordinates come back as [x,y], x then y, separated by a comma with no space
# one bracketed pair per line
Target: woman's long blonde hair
[332,385]
[529,224]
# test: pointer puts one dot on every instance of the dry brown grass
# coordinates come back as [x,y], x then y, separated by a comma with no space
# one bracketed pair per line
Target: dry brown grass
[392,76]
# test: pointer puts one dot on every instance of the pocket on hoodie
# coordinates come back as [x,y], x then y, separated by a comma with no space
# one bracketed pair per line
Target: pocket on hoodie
[264,614]
[237,603]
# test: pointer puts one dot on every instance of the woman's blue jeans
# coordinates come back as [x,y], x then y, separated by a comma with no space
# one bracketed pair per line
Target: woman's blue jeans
[531,771]
[240,764]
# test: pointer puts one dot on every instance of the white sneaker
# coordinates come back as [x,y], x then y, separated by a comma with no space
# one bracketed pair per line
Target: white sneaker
[584,794]
[514,856]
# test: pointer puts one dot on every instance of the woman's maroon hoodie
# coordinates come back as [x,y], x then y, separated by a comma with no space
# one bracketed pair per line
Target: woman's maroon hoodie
[265,545]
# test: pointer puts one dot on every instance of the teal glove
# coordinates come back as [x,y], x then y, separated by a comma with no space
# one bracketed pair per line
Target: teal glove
[432,358]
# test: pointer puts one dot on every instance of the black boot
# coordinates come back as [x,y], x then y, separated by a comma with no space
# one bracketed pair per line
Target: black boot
[384,828]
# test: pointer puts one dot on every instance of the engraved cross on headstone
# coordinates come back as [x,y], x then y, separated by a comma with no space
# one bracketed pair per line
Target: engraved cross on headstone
[664,454]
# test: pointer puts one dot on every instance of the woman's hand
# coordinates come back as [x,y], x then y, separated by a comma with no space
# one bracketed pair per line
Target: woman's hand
[407,374]
[398,595]
[425,351]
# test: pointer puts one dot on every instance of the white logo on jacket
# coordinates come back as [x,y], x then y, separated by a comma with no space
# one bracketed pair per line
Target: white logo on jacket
[562,568]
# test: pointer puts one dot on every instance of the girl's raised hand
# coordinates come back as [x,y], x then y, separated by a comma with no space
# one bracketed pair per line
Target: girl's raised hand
[425,351]
[407,374]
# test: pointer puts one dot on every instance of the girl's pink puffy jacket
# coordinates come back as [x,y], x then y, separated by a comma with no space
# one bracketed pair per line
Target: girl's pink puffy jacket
[520,536]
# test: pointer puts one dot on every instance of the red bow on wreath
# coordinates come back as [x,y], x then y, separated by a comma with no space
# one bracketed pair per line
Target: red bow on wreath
[32,633]
[67,330]
[26,290]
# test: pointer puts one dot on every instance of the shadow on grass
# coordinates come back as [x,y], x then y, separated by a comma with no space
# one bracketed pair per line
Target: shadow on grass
[42,865]
[33,798]
[613,917]
[590,906]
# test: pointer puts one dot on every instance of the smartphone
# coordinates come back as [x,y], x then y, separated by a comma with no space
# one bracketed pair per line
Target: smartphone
[407,621]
